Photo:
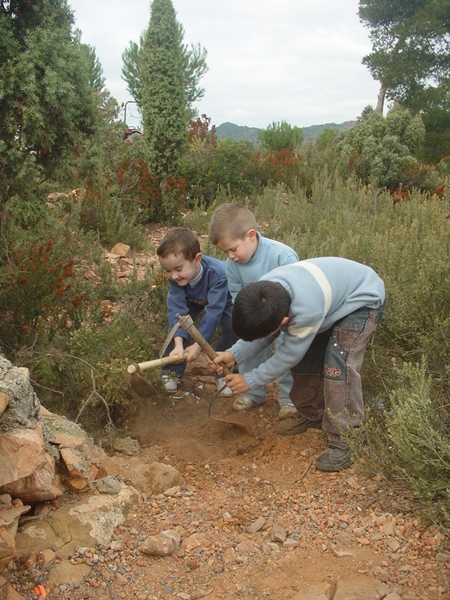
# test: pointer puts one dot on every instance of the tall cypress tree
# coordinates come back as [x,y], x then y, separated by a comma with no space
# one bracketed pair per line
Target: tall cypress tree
[163,98]
[194,67]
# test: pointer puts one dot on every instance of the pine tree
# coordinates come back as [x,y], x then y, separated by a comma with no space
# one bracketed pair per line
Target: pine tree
[46,103]
[279,136]
[163,98]
[411,59]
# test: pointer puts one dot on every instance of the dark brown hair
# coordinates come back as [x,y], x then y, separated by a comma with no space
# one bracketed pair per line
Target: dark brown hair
[179,240]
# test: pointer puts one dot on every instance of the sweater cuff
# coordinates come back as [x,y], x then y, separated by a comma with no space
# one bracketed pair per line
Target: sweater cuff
[234,350]
[250,381]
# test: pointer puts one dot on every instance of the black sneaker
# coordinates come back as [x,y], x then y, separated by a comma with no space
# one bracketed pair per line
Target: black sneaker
[336,458]
[297,425]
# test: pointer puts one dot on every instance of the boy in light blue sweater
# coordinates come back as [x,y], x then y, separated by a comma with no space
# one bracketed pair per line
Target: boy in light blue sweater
[327,309]
[233,229]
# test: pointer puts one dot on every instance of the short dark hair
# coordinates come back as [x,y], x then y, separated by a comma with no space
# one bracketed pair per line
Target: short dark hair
[179,240]
[259,309]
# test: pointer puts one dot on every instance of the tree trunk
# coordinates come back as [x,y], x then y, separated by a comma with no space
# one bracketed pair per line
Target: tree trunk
[381,97]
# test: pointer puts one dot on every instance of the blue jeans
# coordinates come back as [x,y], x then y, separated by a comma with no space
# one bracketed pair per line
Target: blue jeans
[327,381]
[226,340]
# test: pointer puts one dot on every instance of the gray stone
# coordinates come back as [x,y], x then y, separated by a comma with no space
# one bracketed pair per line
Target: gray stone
[23,406]
[127,446]
[107,485]
[86,523]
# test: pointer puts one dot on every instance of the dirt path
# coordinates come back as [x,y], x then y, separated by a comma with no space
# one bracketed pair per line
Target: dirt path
[346,537]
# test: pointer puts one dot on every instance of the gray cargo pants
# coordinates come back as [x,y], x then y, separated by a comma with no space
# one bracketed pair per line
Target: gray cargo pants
[327,381]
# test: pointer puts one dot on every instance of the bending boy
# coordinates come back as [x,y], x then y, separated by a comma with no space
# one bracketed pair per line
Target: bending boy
[233,229]
[328,309]
[196,283]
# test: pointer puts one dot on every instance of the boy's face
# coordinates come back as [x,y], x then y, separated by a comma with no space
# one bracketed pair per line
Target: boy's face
[240,251]
[179,269]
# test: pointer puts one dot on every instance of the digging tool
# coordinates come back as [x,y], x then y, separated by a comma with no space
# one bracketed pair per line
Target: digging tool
[141,386]
[188,324]
[169,338]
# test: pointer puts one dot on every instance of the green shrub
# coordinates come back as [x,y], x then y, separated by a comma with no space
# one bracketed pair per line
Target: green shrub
[207,168]
[96,355]
[106,216]
[408,442]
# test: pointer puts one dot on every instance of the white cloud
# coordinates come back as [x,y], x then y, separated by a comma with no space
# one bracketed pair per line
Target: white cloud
[298,61]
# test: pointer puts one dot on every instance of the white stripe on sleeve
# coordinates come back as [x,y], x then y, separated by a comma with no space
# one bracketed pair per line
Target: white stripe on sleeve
[324,284]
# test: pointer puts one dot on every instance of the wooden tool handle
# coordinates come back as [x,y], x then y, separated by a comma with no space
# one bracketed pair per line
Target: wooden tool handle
[188,324]
[158,362]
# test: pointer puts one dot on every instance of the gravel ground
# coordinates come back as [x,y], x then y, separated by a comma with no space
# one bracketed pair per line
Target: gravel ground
[253,516]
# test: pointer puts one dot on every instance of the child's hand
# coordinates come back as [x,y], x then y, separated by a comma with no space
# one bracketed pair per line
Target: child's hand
[178,349]
[222,357]
[193,352]
[236,383]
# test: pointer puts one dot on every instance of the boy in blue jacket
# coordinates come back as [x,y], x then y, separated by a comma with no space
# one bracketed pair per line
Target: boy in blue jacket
[196,283]
[233,229]
[327,309]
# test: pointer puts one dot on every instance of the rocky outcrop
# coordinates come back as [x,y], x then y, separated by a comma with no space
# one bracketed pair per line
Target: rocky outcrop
[21,405]
[43,456]
[87,522]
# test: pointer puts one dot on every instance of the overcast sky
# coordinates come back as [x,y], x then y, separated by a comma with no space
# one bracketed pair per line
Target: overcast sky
[292,60]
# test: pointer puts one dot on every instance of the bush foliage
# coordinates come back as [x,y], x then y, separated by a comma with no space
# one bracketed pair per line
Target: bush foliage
[362,195]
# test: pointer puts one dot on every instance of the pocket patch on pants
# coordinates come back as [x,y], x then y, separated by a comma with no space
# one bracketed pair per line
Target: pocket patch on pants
[335,366]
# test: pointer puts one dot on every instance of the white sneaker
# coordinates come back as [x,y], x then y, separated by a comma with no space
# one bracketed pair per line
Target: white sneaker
[222,387]
[287,411]
[244,403]
[170,383]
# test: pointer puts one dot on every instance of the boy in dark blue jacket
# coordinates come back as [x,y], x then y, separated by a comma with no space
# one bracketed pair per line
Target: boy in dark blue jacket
[196,283]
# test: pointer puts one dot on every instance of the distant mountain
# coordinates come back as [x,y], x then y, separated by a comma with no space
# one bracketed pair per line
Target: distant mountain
[312,132]
[237,132]
[242,132]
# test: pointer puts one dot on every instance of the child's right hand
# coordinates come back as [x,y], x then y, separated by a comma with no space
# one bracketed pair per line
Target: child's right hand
[222,357]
